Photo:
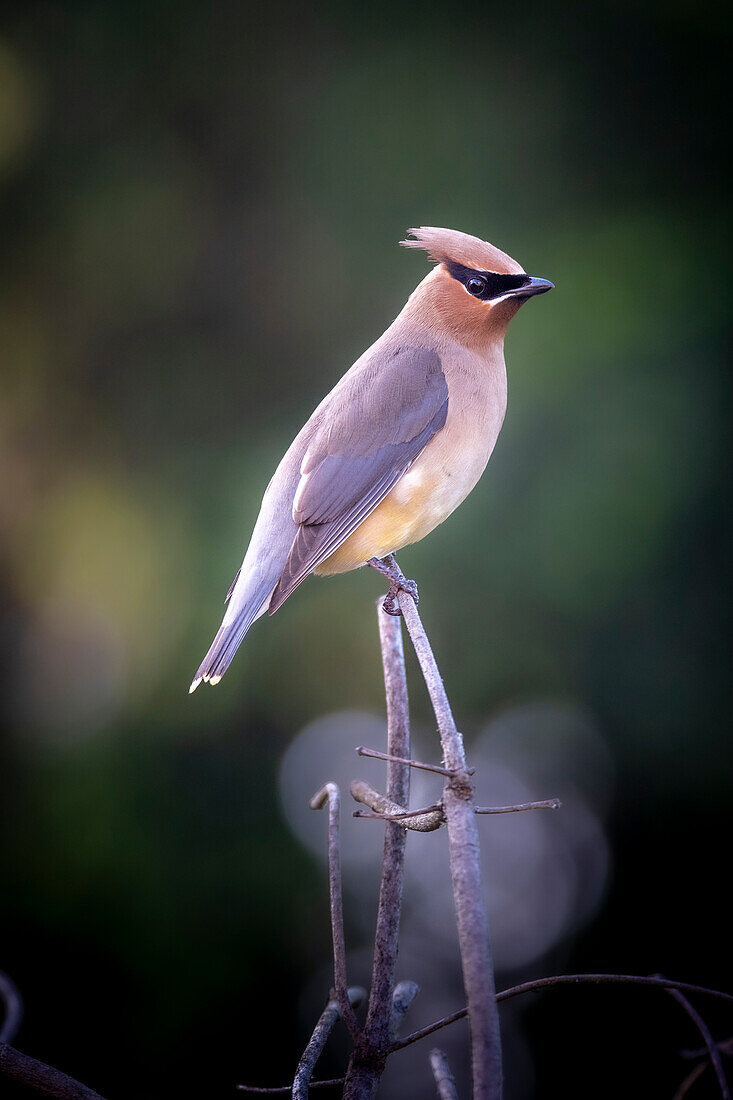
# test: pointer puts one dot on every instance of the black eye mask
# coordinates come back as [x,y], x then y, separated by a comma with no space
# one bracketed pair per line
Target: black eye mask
[486,285]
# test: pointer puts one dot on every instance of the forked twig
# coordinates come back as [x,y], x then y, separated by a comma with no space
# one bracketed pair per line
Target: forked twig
[330,793]
[457,809]
[389,1003]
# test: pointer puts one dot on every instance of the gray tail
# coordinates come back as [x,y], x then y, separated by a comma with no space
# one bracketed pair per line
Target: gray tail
[229,637]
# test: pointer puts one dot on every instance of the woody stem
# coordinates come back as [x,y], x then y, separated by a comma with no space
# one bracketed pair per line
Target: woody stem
[470,904]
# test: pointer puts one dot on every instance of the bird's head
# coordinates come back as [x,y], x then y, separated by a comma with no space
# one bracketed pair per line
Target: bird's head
[474,290]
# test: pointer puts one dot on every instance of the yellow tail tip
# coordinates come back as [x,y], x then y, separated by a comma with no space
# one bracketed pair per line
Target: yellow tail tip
[194,685]
[214,680]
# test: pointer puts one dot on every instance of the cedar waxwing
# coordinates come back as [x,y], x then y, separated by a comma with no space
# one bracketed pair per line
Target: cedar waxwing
[396,445]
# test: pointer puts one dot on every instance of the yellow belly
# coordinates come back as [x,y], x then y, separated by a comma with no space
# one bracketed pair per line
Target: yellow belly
[389,527]
[423,497]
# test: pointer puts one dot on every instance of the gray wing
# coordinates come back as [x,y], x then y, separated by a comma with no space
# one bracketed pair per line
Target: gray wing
[381,420]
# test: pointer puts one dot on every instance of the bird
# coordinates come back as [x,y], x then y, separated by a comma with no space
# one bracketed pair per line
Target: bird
[397,444]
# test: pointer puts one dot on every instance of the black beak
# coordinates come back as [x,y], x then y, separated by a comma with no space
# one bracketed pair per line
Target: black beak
[531,287]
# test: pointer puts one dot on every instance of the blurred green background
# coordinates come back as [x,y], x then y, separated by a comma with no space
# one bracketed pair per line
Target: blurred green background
[200,210]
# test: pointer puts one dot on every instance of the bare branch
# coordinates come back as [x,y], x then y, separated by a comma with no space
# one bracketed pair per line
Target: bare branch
[689,1081]
[330,793]
[712,1049]
[386,938]
[427,818]
[366,1065]
[463,840]
[725,1046]
[13,1001]
[423,1032]
[376,755]
[402,998]
[317,1041]
[444,1079]
[546,804]
[42,1079]
[398,709]
[421,821]
[564,979]
[284,1090]
[611,979]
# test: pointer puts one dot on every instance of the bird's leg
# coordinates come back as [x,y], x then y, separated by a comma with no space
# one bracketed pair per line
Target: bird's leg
[398,582]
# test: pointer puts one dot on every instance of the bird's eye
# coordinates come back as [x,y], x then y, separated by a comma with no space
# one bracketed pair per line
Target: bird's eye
[476,286]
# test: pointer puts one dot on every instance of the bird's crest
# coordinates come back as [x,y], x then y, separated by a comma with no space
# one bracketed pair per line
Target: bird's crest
[442,245]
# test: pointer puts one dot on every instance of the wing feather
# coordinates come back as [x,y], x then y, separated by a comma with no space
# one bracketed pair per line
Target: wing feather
[382,424]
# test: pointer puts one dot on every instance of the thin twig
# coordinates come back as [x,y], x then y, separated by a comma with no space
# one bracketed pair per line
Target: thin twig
[402,998]
[282,1090]
[374,754]
[42,1079]
[463,842]
[689,1081]
[444,1079]
[422,1032]
[10,995]
[330,793]
[418,821]
[317,1041]
[546,804]
[564,979]
[386,938]
[725,1046]
[702,1027]
[421,821]
[428,818]
[367,1064]
[611,979]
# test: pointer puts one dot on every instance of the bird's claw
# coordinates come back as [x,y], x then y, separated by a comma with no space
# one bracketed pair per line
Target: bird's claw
[402,584]
[398,582]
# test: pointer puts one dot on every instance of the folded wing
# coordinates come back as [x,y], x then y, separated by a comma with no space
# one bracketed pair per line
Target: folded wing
[381,419]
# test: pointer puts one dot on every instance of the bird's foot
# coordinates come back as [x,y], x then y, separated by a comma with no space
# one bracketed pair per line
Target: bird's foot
[391,603]
[398,582]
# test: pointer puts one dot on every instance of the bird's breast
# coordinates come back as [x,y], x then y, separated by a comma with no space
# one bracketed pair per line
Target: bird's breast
[439,479]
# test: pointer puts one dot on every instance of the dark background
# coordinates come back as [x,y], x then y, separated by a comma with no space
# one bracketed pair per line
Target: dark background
[200,210]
